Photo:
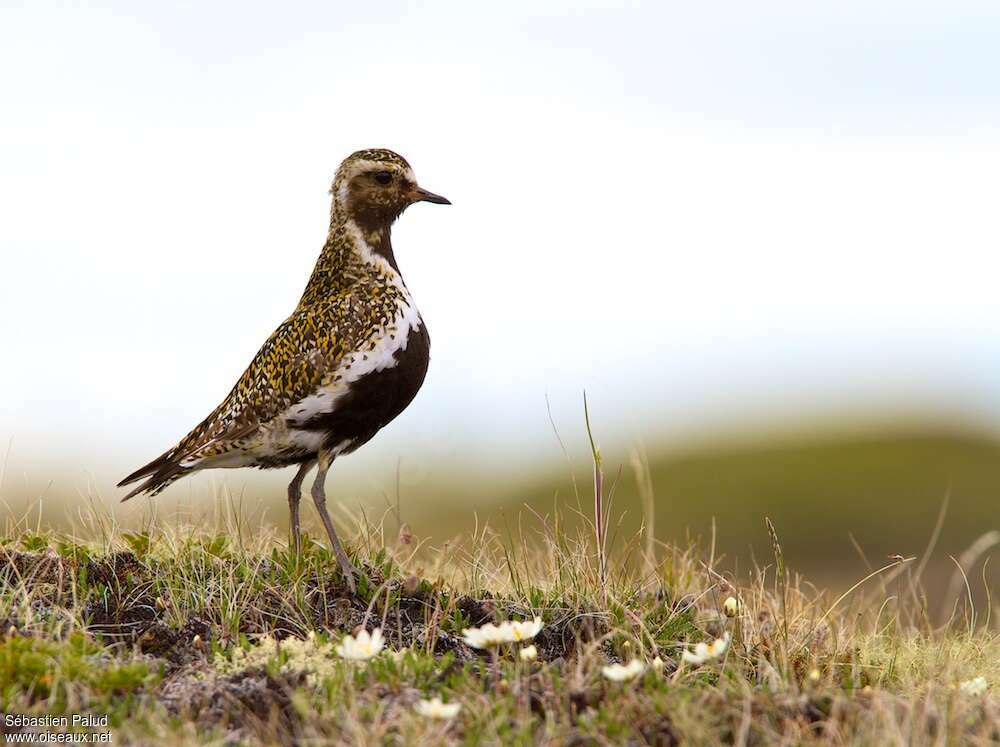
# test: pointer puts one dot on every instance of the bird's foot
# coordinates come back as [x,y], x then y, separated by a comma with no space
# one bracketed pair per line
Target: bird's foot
[348,569]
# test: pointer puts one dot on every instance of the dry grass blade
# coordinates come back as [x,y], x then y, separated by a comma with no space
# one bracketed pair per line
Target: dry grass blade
[600,516]
[644,482]
[966,560]
[781,578]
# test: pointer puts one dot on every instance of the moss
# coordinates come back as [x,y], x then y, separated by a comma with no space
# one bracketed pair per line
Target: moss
[52,672]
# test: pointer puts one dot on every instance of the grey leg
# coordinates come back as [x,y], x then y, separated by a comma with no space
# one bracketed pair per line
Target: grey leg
[294,496]
[319,496]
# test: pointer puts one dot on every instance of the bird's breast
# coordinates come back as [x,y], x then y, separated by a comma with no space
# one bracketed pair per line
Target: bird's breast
[385,349]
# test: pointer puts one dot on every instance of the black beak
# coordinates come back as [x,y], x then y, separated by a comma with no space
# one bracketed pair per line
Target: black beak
[419,194]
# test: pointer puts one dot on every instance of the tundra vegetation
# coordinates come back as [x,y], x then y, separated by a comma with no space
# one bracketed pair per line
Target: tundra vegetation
[529,634]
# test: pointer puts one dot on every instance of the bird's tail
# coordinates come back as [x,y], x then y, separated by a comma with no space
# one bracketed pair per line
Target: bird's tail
[160,473]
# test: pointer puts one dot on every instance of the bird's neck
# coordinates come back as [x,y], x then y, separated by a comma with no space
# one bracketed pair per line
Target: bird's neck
[355,252]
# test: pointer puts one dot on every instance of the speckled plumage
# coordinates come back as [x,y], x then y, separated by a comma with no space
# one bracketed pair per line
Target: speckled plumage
[344,346]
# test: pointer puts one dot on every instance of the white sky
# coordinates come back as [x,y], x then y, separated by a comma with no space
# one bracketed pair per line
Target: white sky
[699,212]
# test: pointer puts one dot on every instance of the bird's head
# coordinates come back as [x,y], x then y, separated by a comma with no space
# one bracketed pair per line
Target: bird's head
[374,186]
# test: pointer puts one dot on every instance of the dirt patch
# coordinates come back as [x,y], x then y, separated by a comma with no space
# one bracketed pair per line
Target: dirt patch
[120,604]
[251,702]
[180,647]
[562,638]
[34,567]
[121,613]
[116,569]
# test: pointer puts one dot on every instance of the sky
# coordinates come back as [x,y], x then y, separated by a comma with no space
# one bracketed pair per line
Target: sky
[701,214]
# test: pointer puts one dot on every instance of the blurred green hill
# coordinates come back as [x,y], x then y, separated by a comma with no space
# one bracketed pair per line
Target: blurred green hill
[884,489]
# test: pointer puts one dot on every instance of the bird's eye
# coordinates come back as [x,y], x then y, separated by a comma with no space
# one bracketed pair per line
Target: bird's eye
[383,177]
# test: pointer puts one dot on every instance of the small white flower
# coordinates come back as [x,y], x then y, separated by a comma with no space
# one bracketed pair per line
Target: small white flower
[361,647]
[528,653]
[524,630]
[511,631]
[434,708]
[705,651]
[976,686]
[732,606]
[397,656]
[619,673]
[487,636]
[657,664]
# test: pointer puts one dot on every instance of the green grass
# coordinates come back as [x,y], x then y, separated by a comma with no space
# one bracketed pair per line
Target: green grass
[220,635]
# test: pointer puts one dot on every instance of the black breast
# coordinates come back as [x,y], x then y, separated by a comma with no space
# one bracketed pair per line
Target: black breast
[376,398]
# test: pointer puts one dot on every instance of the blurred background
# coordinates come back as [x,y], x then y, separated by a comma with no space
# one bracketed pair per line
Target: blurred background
[762,237]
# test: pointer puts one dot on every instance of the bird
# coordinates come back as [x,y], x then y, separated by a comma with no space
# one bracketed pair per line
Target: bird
[348,360]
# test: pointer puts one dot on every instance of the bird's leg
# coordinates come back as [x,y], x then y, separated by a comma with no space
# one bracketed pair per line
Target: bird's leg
[319,496]
[294,496]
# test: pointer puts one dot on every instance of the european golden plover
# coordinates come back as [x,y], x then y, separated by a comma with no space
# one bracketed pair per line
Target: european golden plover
[348,360]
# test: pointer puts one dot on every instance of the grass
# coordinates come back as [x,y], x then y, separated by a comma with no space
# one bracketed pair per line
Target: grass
[878,487]
[218,635]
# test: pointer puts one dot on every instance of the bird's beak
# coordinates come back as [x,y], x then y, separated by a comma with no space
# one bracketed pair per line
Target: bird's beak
[419,194]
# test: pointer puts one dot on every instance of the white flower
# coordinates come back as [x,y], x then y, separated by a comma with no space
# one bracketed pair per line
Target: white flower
[397,656]
[619,673]
[975,686]
[524,630]
[488,636]
[511,631]
[528,653]
[434,708]
[657,664]
[705,651]
[361,647]
[732,606]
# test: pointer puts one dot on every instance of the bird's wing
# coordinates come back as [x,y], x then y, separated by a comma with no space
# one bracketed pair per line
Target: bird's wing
[299,357]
